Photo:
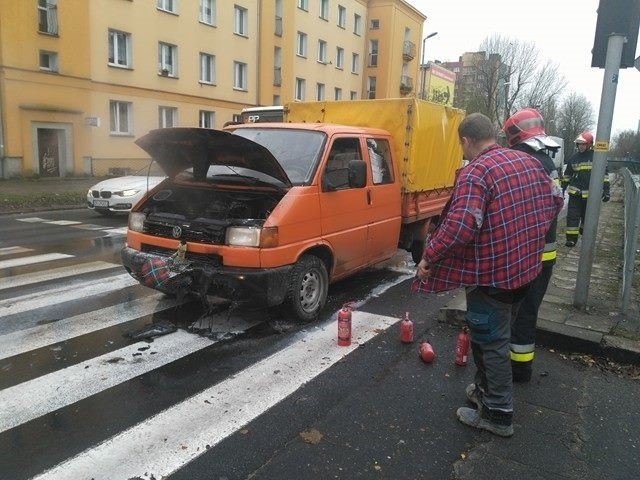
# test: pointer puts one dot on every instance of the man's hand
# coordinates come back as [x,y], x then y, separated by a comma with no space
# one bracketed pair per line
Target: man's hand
[423,270]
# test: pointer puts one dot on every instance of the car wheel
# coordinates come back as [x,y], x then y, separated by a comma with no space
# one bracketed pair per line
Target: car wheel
[308,288]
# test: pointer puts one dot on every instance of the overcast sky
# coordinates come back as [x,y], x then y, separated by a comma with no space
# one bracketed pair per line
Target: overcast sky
[563,31]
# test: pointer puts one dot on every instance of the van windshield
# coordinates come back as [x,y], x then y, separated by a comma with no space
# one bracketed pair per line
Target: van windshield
[296,150]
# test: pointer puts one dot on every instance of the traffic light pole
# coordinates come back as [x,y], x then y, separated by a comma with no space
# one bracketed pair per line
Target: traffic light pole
[601,147]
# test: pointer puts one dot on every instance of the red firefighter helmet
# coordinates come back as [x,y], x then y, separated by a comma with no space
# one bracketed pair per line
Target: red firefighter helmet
[522,125]
[585,137]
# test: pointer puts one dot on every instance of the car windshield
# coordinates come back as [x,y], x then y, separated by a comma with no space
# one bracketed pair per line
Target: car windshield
[296,150]
[152,170]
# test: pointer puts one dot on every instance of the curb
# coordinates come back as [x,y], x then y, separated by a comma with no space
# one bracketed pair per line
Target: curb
[570,339]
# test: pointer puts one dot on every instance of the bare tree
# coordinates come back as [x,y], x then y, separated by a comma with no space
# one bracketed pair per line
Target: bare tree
[626,144]
[574,116]
[510,76]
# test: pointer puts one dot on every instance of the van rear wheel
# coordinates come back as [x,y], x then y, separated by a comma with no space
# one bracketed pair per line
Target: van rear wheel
[308,287]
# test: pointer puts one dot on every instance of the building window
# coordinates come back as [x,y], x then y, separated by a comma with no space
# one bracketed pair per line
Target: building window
[48,61]
[320,91]
[375,24]
[167,59]
[167,117]
[337,93]
[303,5]
[371,87]
[277,66]
[240,22]
[277,100]
[120,118]
[324,9]
[278,26]
[207,68]
[373,53]
[355,63]
[48,16]
[357,24]
[300,88]
[301,44]
[207,119]
[208,12]
[239,76]
[342,16]
[119,49]
[353,95]
[168,5]
[322,51]
[339,58]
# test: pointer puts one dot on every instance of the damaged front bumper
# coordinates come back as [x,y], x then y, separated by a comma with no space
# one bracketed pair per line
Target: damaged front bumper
[264,286]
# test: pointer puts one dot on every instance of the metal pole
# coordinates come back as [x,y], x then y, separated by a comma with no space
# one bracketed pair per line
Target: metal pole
[605,116]
[423,66]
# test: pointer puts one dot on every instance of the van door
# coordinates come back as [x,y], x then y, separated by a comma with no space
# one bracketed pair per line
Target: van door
[343,209]
[383,201]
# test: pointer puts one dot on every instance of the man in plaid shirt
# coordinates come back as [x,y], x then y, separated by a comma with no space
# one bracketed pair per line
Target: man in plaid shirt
[490,240]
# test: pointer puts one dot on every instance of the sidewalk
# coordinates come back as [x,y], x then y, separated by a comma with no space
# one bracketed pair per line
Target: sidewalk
[601,329]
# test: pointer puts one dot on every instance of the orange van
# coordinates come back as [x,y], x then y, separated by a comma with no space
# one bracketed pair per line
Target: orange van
[272,213]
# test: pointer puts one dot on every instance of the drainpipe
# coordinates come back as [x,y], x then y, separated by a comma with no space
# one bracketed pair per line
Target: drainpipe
[258,26]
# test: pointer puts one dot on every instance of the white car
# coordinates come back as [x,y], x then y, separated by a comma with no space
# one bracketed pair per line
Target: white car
[119,194]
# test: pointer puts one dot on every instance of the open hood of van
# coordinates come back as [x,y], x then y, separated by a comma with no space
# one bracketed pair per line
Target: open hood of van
[176,149]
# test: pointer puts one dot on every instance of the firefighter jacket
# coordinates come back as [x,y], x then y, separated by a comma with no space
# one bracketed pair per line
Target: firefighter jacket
[577,175]
[549,252]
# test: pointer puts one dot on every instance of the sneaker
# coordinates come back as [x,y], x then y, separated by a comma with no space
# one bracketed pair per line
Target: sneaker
[474,394]
[570,243]
[472,418]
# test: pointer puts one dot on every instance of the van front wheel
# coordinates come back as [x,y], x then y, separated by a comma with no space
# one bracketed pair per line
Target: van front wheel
[308,287]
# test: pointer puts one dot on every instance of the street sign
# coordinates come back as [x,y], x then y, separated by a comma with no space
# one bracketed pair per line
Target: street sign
[616,17]
[601,147]
[637,64]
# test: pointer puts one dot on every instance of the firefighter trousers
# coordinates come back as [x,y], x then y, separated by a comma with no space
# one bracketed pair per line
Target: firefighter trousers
[523,328]
[575,216]
[490,312]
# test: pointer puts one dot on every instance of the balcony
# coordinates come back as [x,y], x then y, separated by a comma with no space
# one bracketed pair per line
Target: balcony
[278,28]
[277,76]
[406,84]
[408,50]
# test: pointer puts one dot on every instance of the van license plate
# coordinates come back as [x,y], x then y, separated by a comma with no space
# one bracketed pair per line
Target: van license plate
[101,203]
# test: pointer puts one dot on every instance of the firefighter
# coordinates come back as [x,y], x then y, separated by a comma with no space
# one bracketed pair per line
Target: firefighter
[577,175]
[524,131]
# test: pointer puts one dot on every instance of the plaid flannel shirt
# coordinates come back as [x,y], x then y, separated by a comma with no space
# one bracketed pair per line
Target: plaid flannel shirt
[492,231]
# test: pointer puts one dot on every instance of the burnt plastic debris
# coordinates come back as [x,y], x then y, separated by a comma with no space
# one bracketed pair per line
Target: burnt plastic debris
[151,331]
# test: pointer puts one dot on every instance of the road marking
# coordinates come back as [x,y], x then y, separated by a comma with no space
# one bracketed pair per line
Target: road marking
[22,341]
[89,226]
[45,257]
[54,273]
[63,222]
[31,219]
[13,250]
[116,231]
[26,401]
[67,293]
[162,444]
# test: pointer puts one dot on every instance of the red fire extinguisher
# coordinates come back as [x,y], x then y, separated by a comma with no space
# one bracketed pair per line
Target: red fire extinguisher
[426,352]
[344,325]
[462,347]
[406,329]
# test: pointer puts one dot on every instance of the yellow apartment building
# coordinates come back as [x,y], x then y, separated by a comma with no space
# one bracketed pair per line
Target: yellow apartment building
[80,80]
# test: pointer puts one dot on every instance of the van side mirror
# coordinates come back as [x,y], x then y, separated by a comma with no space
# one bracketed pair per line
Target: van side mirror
[357,173]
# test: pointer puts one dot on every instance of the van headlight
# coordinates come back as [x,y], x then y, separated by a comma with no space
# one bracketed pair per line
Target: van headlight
[136,221]
[243,236]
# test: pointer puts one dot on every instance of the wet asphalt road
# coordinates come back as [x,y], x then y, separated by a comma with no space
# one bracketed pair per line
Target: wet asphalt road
[378,412]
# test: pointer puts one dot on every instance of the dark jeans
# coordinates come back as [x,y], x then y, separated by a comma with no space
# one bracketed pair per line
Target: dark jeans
[490,312]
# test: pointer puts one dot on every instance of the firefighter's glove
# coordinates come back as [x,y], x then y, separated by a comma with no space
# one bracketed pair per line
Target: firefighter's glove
[605,198]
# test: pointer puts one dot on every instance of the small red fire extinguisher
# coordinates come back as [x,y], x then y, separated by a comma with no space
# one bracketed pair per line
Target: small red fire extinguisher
[406,329]
[344,325]
[426,352]
[462,347]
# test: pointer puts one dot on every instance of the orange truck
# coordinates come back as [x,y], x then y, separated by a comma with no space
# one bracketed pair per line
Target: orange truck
[273,213]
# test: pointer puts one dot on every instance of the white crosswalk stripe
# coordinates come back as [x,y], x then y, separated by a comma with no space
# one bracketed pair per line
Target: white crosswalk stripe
[66,293]
[54,273]
[45,257]
[13,250]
